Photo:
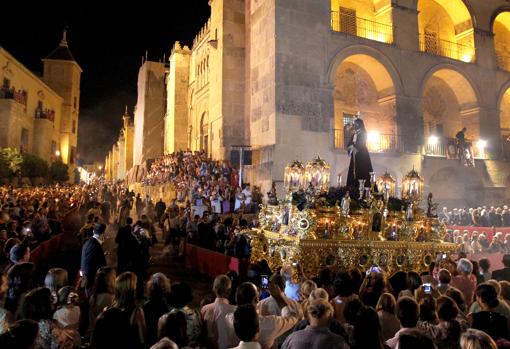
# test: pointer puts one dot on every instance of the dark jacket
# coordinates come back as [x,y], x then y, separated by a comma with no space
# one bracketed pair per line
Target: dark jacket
[501,274]
[127,250]
[92,258]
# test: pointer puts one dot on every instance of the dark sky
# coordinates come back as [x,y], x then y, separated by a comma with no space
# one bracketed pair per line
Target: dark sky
[108,43]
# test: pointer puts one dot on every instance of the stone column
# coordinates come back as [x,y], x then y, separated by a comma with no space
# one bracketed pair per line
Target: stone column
[405,25]
[410,123]
[484,46]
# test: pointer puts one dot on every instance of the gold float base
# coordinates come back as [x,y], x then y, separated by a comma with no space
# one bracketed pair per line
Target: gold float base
[316,254]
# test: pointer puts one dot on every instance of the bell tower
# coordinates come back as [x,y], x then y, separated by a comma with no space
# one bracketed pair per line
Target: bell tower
[62,73]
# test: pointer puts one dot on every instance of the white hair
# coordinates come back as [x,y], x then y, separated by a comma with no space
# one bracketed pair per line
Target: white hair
[465,266]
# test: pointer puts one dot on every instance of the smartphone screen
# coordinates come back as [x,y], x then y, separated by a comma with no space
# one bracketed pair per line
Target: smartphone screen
[265,281]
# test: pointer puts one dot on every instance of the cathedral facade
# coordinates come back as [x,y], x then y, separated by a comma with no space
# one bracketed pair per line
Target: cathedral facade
[286,77]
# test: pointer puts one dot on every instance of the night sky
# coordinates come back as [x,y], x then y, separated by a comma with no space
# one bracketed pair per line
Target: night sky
[108,43]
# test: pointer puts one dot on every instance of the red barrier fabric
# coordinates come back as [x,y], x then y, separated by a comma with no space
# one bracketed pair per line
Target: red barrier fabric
[488,231]
[213,263]
[47,249]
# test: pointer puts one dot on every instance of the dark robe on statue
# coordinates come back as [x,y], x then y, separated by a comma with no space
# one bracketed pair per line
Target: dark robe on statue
[360,165]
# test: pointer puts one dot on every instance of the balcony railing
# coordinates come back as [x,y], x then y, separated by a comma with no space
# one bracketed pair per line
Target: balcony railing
[47,114]
[503,60]
[376,143]
[447,148]
[431,43]
[345,23]
[19,96]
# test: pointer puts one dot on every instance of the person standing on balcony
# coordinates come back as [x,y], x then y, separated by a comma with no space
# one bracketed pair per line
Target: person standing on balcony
[360,165]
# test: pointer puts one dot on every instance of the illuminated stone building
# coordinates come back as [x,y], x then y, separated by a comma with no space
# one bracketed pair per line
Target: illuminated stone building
[119,160]
[285,77]
[39,115]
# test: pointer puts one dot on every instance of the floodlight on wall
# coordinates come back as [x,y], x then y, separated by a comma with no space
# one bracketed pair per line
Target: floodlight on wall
[374,140]
[432,140]
[57,153]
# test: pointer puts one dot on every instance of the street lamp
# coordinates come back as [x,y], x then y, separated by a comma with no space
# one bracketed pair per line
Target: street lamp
[57,153]
[433,140]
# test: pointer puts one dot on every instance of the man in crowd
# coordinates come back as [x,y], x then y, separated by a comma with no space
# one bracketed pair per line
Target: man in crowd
[274,304]
[317,335]
[127,247]
[246,326]
[214,313]
[92,256]
[444,277]
[503,274]
[160,208]
[271,327]
[408,315]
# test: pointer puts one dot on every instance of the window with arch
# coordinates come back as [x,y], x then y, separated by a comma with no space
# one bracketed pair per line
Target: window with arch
[446,29]
[501,30]
[369,19]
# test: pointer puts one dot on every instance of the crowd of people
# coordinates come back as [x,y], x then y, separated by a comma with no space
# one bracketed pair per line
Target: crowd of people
[478,216]
[206,184]
[478,242]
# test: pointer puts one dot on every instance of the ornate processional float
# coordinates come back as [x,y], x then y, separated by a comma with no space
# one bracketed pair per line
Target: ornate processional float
[321,226]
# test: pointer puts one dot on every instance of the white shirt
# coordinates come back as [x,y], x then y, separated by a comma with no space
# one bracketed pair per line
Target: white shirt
[271,327]
[393,342]
[292,290]
[269,306]
[248,345]
[214,317]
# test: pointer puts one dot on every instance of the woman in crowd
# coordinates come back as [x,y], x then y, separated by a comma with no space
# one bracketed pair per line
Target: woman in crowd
[344,294]
[487,320]
[447,332]
[19,283]
[413,283]
[465,281]
[386,311]
[55,279]
[38,307]
[103,293]
[158,291]
[475,339]
[181,296]
[367,330]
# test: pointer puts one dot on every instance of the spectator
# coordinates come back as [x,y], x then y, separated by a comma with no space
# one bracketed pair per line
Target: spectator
[68,313]
[465,281]
[274,304]
[55,279]
[415,339]
[214,314]
[246,326]
[487,320]
[271,327]
[22,335]
[38,307]
[19,283]
[447,332]
[158,291]
[475,339]
[181,297]
[317,334]
[505,291]
[444,278]
[408,315]
[6,318]
[485,265]
[413,283]
[103,293]
[386,311]
[307,288]
[503,274]
[92,256]
[367,322]
[344,294]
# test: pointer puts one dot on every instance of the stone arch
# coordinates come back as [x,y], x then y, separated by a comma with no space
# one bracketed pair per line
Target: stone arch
[446,28]
[363,84]
[376,54]
[449,101]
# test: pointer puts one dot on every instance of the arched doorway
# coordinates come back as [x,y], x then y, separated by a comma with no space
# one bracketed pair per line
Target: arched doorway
[363,84]
[501,30]
[204,133]
[446,29]
[449,103]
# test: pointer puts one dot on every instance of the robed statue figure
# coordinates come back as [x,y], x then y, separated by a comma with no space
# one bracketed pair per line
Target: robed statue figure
[360,165]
